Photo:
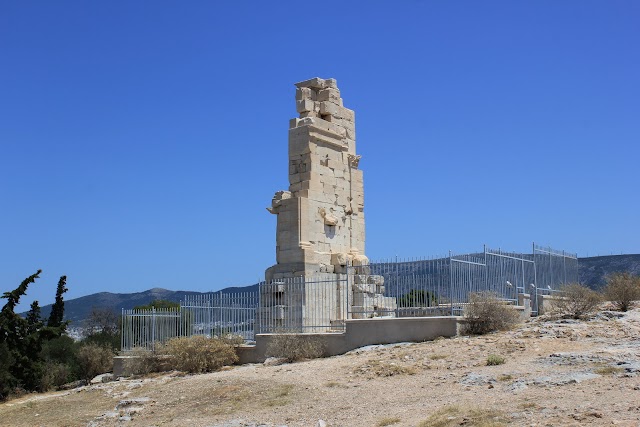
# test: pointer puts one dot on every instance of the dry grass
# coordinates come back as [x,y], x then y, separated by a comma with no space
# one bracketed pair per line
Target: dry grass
[383,368]
[495,360]
[529,405]
[335,384]
[608,370]
[227,399]
[453,416]
[389,421]
[48,410]
[622,289]
[198,354]
[505,377]
[279,395]
[296,347]
[437,356]
[94,359]
[577,301]
[487,313]
[142,362]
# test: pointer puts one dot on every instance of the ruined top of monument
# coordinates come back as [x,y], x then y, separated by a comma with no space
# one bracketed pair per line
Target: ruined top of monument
[320,226]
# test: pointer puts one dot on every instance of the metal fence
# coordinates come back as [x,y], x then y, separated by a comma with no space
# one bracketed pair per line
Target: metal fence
[211,315]
[553,267]
[142,328]
[441,286]
[418,287]
[322,303]
[304,304]
[218,314]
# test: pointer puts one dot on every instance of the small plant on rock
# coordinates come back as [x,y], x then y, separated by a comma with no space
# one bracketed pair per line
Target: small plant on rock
[487,313]
[622,290]
[495,360]
[577,301]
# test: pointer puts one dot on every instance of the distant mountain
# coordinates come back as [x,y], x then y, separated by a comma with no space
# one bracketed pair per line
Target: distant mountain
[592,271]
[78,309]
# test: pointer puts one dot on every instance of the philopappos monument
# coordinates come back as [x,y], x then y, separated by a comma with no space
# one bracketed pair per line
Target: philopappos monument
[320,226]
[320,218]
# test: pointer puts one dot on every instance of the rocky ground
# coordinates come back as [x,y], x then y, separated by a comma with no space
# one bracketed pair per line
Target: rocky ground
[555,373]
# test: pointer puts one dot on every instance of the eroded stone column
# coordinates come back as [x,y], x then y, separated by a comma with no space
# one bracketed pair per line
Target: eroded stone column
[321,216]
[320,225]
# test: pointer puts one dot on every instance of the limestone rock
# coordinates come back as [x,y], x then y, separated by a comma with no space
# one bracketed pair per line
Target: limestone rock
[102,378]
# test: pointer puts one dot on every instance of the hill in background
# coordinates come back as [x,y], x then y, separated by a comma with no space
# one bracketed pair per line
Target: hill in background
[78,309]
[593,271]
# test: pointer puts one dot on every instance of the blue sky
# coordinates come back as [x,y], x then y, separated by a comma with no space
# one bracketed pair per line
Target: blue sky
[140,142]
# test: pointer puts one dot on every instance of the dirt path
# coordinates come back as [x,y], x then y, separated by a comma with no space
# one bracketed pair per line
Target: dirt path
[556,373]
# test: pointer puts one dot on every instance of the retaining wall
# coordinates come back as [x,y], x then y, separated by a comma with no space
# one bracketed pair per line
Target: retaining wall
[362,332]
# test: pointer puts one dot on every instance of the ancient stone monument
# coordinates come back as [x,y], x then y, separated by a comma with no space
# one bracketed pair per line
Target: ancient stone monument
[321,217]
[320,224]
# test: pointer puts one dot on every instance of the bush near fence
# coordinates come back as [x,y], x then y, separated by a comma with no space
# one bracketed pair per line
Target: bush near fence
[487,313]
[295,347]
[622,289]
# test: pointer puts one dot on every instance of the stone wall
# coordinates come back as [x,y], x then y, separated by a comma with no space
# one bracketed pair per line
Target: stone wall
[362,332]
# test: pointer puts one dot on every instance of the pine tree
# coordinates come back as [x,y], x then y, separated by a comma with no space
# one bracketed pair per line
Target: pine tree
[21,361]
[34,322]
[13,297]
[16,359]
[57,310]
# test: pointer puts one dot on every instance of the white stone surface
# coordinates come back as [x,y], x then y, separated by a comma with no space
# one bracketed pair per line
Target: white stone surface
[320,218]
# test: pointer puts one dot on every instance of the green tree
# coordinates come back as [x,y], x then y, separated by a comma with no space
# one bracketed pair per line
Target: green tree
[18,367]
[57,310]
[21,340]
[34,322]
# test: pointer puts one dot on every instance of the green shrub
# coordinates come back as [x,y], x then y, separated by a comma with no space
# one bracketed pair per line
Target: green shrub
[487,313]
[494,360]
[54,375]
[93,360]
[577,301]
[197,353]
[622,290]
[294,347]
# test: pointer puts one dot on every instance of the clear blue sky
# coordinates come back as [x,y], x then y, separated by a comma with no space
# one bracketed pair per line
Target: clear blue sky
[140,142]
